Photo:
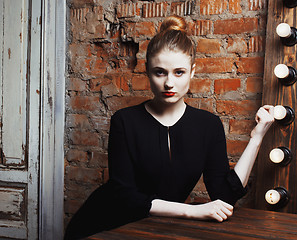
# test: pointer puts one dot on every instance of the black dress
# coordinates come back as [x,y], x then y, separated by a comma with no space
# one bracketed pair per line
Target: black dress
[143,168]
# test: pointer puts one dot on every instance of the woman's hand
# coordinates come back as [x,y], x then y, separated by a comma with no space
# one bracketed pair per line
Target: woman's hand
[217,210]
[264,119]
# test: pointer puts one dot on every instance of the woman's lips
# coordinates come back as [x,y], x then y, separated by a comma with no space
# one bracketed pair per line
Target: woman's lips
[168,94]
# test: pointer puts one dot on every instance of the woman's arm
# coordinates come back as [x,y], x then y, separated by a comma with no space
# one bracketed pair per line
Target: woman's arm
[264,119]
[220,210]
[217,210]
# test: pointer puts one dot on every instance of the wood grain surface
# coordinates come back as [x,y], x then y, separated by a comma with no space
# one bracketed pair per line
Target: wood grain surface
[244,224]
[268,174]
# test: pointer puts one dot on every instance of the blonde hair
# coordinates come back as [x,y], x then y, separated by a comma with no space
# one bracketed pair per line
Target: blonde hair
[173,36]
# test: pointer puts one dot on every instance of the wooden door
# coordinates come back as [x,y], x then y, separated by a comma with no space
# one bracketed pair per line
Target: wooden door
[269,174]
[19,117]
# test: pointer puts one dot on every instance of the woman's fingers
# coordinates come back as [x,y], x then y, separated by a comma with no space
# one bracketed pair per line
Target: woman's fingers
[221,210]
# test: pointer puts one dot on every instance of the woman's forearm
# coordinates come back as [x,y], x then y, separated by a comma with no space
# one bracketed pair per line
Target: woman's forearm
[264,119]
[217,210]
[169,209]
[246,162]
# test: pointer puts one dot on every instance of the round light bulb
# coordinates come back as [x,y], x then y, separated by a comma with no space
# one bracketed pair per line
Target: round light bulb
[277,155]
[281,71]
[272,196]
[283,30]
[280,112]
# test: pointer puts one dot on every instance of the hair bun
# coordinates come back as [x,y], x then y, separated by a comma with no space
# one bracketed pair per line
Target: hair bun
[174,23]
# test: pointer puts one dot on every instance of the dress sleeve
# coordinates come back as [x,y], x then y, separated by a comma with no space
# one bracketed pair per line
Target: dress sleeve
[121,173]
[221,182]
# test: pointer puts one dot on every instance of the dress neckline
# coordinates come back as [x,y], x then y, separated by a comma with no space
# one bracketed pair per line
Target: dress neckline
[161,124]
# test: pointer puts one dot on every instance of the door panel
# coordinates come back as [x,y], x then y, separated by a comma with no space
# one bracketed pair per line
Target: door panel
[19,118]
[14,50]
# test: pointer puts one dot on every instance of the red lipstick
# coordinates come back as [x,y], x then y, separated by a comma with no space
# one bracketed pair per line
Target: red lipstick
[168,94]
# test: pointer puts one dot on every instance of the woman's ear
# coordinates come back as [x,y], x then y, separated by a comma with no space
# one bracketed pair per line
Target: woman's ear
[193,70]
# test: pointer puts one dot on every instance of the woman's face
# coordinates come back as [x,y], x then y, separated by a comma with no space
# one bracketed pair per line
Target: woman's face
[170,73]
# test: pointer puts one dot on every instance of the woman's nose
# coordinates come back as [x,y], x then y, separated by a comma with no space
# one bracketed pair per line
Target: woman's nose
[169,82]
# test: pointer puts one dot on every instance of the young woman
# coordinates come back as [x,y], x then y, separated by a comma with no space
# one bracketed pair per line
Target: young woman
[159,149]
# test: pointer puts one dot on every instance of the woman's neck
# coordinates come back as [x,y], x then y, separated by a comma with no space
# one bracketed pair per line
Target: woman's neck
[166,114]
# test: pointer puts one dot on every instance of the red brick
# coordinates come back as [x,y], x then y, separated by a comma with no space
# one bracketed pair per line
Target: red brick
[102,50]
[257,44]
[236,147]
[78,121]
[234,6]
[254,84]
[100,31]
[79,50]
[201,103]
[128,49]
[128,10]
[205,45]
[109,90]
[139,29]
[182,8]
[256,5]
[200,27]
[121,80]
[200,85]
[146,29]
[96,66]
[140,82]
[239,107]
[235,26]
[250,65]
[98,12]
[214,65]
[100,123]
[237,45]
[98,160]
[152,9]
[241,126]
[140,67]
[77,156]
[209,7]
[84,138]
[207,104]
[143,46]
[77,84]
[222,86]
[116,103]
[194,102]
[87,103]
[83,175]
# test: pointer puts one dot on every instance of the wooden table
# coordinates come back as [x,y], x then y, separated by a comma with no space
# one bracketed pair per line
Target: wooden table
[244,224]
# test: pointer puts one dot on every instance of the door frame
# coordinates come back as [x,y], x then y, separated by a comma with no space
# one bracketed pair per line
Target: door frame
[52,119]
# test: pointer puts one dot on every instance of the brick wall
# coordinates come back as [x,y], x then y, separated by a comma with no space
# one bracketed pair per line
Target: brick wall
[106,72]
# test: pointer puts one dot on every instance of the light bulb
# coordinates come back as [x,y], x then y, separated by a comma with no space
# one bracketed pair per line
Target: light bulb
[281,155]
[284,114]
[283,30]
[277,155]
[287,75]
[279,112]
[281,71]
[277,197]
[287,34]
[272,196]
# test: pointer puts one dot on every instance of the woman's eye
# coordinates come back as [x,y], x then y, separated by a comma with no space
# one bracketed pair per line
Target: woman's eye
[179,73]
[160,73]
